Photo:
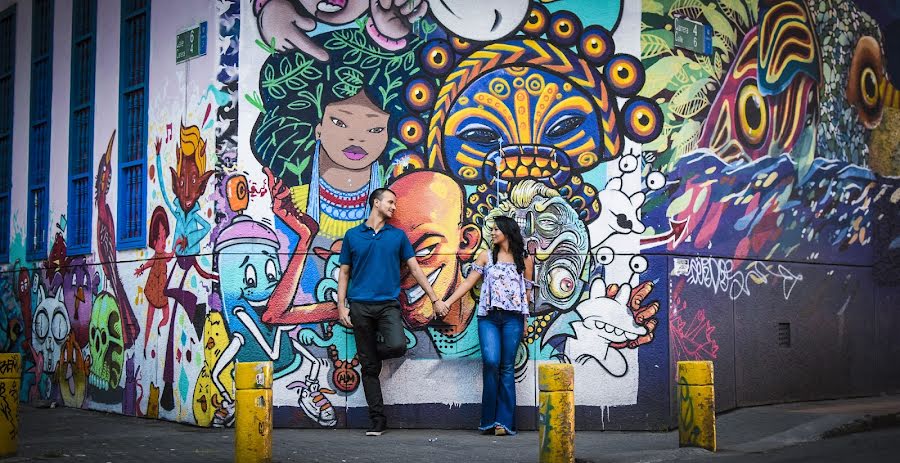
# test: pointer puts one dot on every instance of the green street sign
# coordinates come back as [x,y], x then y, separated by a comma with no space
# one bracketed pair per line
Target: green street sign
[191,43]
[694,36]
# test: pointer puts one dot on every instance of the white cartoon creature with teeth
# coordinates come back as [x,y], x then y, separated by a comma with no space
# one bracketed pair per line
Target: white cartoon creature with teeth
[607,320]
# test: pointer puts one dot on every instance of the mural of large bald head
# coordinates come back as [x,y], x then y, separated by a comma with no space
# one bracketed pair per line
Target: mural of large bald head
[430,211]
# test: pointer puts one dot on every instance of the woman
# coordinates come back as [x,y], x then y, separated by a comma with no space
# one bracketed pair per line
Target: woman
[502,312]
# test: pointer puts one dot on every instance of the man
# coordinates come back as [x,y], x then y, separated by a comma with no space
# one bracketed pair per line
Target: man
[370,265]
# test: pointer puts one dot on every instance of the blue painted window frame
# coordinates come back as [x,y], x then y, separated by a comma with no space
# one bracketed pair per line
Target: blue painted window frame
[134,64]
[39,129]
[7,109]
[81,127]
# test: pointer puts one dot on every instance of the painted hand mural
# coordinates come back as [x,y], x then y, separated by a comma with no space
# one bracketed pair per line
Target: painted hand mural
[285,25]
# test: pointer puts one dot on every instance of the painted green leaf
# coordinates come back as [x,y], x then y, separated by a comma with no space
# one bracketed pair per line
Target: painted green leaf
[652,7]
[255,100]
[753,7]
[656,43]
[719,23]
[685,139]
[687,8]
[689,100]
[660,74]
[722,44]
[735,11]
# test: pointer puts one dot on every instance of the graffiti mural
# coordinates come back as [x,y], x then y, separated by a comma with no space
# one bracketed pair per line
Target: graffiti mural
[648,180]
[533,116]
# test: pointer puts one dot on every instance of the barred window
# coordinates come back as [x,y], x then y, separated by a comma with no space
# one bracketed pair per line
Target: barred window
[39,134]
[134,61]
[81,126]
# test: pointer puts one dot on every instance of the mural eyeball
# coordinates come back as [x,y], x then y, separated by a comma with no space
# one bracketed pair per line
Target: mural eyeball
[656,180]
[561,283]
[628,163]
[41,327]
[605,255]
[565,28]
[643,120]
[864,83]
[412,130]
[537,22]
[271,271]
[638,264]
[596,45]
[437,57]
[420,94]
[752,115]
[250,276]
[625,74]
[461,45]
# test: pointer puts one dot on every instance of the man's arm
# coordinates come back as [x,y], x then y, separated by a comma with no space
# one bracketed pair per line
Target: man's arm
[343,310]
[440,307]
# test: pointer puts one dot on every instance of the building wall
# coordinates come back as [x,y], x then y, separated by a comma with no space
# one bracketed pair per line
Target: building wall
[655,204]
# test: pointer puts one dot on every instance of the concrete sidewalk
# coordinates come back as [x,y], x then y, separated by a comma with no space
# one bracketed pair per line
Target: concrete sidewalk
[85,436]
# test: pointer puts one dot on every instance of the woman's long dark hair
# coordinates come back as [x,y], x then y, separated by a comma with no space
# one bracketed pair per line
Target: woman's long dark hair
[513,234]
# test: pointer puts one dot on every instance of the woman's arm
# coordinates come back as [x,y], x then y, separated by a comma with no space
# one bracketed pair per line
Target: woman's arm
[470,281]
[529,277]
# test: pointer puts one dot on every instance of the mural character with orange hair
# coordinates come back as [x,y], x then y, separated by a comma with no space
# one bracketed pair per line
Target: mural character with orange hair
[189,180]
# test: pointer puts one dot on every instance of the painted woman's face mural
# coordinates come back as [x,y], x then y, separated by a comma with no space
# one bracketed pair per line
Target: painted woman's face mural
[353,132]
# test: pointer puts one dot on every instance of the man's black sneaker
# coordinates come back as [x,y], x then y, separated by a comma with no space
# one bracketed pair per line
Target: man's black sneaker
[377,429]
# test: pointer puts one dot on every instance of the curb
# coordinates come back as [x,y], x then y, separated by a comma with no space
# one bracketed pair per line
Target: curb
[866,424]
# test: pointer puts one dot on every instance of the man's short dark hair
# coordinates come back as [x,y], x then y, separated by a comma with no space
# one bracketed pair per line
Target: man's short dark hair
[377,194]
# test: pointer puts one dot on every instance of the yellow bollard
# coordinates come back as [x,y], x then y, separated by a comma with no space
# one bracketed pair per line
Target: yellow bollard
[10,378]
[253,412]
[697,402]
[556,422]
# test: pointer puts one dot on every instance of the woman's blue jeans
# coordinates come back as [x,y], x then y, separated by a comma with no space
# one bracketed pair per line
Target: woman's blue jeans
[500,332]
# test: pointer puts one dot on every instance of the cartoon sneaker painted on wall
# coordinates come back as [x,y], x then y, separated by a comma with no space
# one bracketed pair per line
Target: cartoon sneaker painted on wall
[314,402]
[253,247]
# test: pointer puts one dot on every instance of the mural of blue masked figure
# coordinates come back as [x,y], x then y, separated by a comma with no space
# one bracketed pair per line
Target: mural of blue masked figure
[249,251]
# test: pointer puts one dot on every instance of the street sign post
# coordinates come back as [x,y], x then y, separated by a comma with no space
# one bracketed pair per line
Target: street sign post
[191,43]
[693,35]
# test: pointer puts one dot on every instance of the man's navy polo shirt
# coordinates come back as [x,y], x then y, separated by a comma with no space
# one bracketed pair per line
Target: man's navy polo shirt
[374,260]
